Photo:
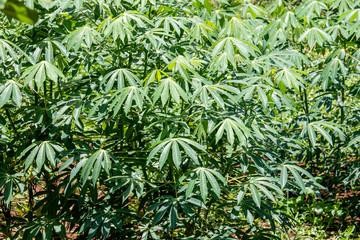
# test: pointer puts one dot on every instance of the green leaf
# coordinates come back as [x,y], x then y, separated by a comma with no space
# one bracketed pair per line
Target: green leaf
[7,48]
[255,195]
[298,179]
[187,210]
[60,229]
[47,232]
[10,89]
[353,141]
[176,154]
[262,96]
[40,158]
[207,5]
[311,134]
[50,153]
[31,156]
[214,184]
[324,133]
[240,196]
[190,152]
[161,212]
[39,72]
[190,187]
[123,77]
[19,11]
[8,192]
[97,168]
[173,216]
[203,185]
[164,155]
[283,177]
[85,172]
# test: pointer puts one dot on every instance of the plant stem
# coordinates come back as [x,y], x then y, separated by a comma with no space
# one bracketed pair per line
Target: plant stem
[146,64]
[51,90]
[10,120]
[306,103]
[30,203]
[342,108]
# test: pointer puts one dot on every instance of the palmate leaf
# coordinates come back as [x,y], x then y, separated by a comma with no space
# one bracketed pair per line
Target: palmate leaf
[231,125]
[216,92]
[172,24]
[49,47]
[65,114]
[40,152]
[174,145]
[294,170]
[263,187]
[319,126]
[237,28]
[199,178]
[274,26]
[40,72]
[135,18]
[289,78]
[153,39]
[315,35]
[123,77]
[10,90]
[229,44]
[171,206]
[101,220]
[180,63]
[169,89]
[90,164]
[183,64]
[337,31]
[6,50]
[201,30]
[276,32]
[10,182]
[125,98]
[155,75]
[275,7]
[342,5]
[208,176]
[310,9]
[116,28]
[277,59]
[290,19]
[332,70]
[251,10]
[350,16]
[221,62]
[81,36]
[133,179]
[122,27]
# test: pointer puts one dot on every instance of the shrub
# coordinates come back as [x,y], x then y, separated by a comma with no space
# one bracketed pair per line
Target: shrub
[174,119]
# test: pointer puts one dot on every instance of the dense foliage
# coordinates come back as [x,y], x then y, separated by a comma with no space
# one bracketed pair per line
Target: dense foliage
[166,119]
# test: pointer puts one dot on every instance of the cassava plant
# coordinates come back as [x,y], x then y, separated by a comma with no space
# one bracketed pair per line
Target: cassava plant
[174,119]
